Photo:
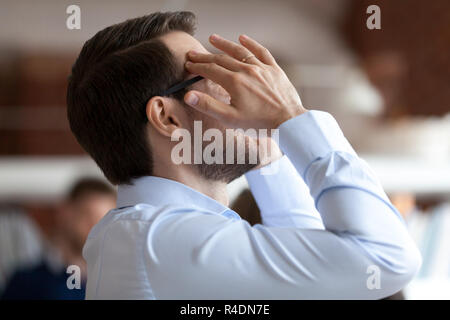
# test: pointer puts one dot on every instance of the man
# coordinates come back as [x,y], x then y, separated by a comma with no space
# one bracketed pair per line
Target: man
[87,202]
[172,235]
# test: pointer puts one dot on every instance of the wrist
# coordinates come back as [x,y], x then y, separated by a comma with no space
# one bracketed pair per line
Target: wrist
[285,116]
[268,152]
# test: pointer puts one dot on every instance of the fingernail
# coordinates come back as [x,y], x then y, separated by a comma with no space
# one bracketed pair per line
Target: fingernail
[192,99]
[243,36]
[192,53]
[214,37]
[188,63]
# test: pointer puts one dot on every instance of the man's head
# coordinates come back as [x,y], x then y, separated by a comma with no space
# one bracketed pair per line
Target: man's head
[88,200]
[114,104]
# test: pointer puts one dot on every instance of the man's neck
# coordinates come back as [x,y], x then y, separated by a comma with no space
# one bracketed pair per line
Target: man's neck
[216,190]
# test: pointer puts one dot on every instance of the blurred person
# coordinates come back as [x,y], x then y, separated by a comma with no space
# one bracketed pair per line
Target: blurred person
[86,203]
[391,60]
[405,202]
[247,208]
[20,241]
[428,221]
[138,83]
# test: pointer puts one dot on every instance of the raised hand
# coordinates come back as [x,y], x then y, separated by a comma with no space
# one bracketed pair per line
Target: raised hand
[261,94]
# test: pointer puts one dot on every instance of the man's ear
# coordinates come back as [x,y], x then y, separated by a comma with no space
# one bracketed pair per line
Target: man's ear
[161,113]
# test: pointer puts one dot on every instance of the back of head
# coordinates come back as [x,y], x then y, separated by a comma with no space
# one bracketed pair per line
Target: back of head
[87,201]
[88,186]
[113,77]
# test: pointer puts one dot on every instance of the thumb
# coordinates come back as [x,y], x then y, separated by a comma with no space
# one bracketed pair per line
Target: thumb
[207,104]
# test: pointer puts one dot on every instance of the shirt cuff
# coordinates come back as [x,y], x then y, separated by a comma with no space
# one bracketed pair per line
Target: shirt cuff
[311,136]
[282,196]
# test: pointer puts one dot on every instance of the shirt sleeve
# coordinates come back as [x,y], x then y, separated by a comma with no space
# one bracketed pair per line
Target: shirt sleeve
[364,252]
[283,197]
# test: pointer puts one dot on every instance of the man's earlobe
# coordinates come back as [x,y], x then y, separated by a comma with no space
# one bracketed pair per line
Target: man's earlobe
[161,115]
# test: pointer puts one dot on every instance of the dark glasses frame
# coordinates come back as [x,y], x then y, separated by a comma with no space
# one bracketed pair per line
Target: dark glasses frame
[178,87]
[181,85]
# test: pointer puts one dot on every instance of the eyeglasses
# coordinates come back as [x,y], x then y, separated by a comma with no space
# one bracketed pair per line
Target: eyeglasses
[181,86]
[178,87]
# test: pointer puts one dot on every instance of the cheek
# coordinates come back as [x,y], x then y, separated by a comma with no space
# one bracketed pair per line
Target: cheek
[211,123]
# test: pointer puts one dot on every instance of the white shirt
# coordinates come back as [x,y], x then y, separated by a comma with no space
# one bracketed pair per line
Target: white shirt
[168,241]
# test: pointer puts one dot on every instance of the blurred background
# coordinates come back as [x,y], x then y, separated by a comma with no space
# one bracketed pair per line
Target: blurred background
[389,89]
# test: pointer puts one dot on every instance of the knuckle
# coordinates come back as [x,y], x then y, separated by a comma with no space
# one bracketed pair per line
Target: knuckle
[253,70]
[266,51]
[220,57]
[241,52]
[236,79]
[209,67]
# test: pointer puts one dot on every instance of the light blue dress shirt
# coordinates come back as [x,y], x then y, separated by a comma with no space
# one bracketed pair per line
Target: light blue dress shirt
[329,232]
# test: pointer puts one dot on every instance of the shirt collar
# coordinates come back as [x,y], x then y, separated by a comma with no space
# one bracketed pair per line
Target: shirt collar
[158,191]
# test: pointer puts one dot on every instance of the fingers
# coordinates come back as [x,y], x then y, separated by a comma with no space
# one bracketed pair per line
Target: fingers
[220,59]
[208,105]
[257,49]
[231,48]
[214,72]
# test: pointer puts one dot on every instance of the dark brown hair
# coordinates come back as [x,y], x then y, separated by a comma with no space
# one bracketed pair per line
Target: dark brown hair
[116,73]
